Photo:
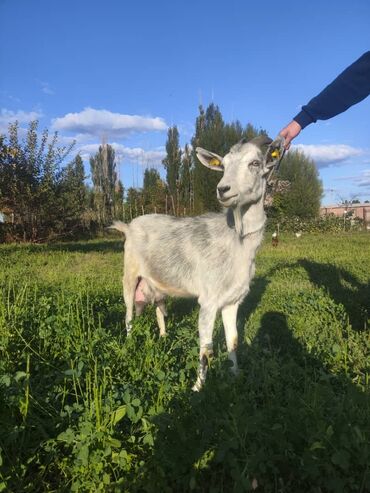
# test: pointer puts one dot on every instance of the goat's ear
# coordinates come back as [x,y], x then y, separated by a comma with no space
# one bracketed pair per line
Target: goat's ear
[274,154]
[210,159]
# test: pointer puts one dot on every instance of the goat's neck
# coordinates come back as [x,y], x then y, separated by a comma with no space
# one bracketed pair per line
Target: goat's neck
[249,219]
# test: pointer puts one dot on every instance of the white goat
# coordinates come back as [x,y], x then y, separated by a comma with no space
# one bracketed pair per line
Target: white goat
[210,257]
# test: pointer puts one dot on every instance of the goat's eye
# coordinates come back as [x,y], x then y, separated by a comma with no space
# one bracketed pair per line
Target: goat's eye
[255,164]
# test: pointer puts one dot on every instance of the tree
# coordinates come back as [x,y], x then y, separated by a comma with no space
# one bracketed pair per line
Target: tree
[172,163]
[119,196]
[209,133]
[134,202]
[29,177]
[154,191]
[73,194]
[303,197]
[213,134]
[104,178]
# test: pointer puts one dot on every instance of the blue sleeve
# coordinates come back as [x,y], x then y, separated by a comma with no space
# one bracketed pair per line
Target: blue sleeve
[349,88]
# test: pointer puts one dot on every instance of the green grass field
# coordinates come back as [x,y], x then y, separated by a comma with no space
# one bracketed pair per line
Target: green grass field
[82,408]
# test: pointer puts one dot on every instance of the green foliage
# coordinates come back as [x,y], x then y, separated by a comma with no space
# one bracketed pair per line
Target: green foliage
[118,201]
[29,181]
[172,163]
[104,177]
[154,191]
[305,192]
[213,134]
[134,202]
[83,408]
[322,224]
[73,194]
[209,128]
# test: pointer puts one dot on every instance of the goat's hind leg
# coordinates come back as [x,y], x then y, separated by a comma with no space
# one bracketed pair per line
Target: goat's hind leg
[130,280]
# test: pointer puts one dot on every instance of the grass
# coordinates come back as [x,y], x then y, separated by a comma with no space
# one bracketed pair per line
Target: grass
[82,408]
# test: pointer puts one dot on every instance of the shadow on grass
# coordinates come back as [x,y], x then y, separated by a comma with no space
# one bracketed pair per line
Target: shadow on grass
[285,424]
[343,288]
[251,302]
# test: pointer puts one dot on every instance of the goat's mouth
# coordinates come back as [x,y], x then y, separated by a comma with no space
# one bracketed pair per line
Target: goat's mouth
[228,201]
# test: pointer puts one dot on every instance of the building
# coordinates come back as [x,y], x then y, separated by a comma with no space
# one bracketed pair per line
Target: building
[361,211]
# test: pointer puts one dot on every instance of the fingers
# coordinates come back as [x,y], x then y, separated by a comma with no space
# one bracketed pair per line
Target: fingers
[284,133]
[290,132]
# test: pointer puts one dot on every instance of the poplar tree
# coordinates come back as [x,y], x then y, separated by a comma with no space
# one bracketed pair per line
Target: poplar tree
[73,195]
[209,127]
[172,164]
[104,178]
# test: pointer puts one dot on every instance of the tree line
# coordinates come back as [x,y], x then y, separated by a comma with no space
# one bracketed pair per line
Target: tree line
[42,198]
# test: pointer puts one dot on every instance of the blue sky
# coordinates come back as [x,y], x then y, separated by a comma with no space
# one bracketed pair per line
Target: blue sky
[124,71]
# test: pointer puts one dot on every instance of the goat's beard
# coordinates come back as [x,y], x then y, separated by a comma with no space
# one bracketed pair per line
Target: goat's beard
[238,220]
[240,209]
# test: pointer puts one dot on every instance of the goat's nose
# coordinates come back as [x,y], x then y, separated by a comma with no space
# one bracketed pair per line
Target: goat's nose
[222,190]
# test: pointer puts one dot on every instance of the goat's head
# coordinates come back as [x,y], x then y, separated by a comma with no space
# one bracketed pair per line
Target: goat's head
[245,168]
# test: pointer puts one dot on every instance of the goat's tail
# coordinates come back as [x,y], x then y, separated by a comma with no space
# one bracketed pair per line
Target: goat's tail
[119,226]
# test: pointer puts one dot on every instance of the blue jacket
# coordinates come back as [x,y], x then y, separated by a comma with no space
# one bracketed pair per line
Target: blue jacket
[349,88]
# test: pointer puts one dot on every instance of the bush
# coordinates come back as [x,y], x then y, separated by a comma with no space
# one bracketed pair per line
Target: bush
[321,224]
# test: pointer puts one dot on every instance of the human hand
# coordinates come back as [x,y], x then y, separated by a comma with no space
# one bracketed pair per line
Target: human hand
[290,132]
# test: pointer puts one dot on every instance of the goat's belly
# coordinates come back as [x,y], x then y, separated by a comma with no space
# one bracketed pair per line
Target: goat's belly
[171,290]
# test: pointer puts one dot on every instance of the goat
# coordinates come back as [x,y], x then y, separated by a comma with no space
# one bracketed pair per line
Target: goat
[210,257]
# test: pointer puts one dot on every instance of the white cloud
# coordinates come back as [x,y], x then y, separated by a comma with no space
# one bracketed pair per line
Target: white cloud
[23,117]
[325,155]
[152,157]
[104,123]
[9,116]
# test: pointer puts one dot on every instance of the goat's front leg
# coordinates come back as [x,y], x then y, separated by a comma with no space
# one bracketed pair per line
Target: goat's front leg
[206,323]
[229,314]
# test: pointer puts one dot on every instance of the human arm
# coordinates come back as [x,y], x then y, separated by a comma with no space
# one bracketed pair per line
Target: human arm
[349,88]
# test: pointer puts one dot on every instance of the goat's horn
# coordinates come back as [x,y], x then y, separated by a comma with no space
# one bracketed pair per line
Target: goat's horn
[260,141]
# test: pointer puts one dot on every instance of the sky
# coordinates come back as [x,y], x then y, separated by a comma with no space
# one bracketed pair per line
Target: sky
[122,72]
